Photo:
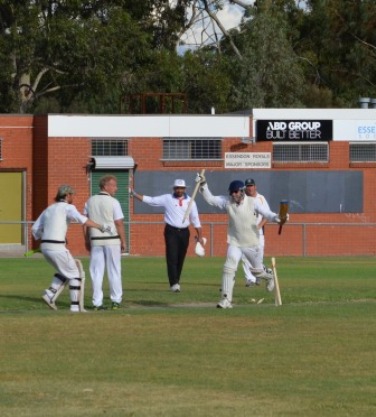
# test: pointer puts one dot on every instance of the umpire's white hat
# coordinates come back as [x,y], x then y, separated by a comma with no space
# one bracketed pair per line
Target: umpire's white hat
[179,183]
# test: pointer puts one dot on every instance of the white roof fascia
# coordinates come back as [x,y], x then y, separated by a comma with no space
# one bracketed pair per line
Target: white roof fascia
[147,126]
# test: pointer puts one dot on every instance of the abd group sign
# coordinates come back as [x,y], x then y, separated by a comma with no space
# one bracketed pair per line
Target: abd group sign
[294,130]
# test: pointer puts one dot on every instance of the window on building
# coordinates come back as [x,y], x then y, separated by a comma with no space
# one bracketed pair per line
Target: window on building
[301,152]
[363,152]
[189,149]
[109,147]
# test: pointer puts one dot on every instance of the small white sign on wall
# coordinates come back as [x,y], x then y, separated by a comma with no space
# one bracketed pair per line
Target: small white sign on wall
[248,160]
[355,130]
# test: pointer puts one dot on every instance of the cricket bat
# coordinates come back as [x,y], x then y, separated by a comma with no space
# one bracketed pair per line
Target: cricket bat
[283,210]
[277,291]
[197,186]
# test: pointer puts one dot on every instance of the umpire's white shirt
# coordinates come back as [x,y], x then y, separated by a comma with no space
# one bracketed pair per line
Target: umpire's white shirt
[175,209]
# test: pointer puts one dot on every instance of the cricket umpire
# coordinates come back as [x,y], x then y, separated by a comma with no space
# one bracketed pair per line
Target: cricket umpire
[176,231]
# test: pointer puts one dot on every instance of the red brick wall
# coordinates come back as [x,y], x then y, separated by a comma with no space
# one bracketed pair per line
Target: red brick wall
[67,160]
[50,162]
[296,239]
[40,166]
[16,132]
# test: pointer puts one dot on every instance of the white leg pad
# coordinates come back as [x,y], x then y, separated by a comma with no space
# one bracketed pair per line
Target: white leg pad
[228,281]
[57,286]
[262,274]
[82,278]
[74,292]
[247,270]
[268,276]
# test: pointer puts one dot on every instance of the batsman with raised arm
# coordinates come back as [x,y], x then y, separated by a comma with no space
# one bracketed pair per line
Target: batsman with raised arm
[242,234]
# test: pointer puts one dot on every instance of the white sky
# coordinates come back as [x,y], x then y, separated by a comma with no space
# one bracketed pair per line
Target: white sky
[230,17]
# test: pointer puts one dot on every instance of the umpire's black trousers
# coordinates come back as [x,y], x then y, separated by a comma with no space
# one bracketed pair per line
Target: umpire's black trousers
[177,241]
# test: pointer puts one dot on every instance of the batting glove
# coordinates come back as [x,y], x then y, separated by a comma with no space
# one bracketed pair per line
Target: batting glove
[279,220]
[200,179]
[106,228]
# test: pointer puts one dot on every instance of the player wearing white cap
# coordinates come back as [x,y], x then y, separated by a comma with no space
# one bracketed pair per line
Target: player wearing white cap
[242,233]
[51,229]
[176,232]
[105,250]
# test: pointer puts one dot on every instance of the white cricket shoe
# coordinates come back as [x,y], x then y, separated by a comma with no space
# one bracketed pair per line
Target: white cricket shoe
[224,303]
[175,288]
[48,300]
[269,278]
[270,284]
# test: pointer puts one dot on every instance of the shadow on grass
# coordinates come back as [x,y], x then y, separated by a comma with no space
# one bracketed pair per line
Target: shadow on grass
[23,298]
[30,300]
[38,300]
[151,303]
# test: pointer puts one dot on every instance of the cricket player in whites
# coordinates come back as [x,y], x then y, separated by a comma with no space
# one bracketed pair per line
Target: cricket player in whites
[105,250]
[242,233]
[250,280]
[51,229]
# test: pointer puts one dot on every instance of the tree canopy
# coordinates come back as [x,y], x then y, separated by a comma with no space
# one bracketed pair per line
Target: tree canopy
[87,56]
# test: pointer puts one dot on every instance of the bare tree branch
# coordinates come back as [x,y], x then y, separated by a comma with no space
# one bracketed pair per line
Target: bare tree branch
[340,17]
[364,42]
[214,17]
[39,77]
[240,3]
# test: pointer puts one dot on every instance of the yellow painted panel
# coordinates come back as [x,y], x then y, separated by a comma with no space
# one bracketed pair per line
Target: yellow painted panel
[10,207]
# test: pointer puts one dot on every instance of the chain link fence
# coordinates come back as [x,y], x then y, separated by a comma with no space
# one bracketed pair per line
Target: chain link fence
[146,239]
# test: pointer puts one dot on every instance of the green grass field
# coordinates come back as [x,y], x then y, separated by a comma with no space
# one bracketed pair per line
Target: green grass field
[176,355]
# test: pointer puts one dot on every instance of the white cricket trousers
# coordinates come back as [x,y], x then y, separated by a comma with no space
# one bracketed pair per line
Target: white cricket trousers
[62,261]
[108,257]
[247,265]
[234,255]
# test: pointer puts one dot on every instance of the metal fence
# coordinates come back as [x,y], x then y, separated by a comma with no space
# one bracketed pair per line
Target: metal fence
[306,239]
[296,239]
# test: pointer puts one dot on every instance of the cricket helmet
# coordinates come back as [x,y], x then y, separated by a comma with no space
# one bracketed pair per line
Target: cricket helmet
[235,186]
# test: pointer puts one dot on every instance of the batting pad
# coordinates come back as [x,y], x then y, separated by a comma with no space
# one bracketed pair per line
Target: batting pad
[82,289]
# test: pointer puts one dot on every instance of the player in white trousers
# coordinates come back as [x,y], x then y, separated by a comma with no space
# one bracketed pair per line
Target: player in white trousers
[250,279]
[51,229]
[242,233]
[105,250]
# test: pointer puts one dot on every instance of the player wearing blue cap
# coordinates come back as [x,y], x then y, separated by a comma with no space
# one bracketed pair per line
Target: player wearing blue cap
[242,233]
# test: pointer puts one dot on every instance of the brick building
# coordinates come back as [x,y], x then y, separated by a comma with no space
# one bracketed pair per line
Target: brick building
[322,160]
